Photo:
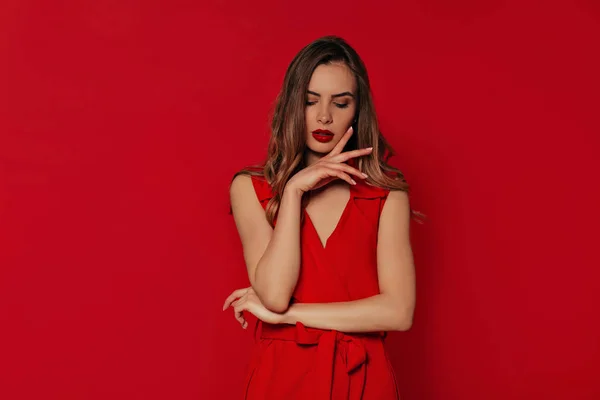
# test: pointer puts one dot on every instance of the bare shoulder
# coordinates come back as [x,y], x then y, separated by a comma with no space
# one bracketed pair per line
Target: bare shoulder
[398,196]
[242,190]
[245,204]
[241,184]
[396,207]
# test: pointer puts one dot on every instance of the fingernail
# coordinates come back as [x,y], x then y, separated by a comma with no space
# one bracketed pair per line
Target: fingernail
[365,175]
[369,148]
[353,182]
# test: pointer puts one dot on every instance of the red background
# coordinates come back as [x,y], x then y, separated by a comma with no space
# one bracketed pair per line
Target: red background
[122,123]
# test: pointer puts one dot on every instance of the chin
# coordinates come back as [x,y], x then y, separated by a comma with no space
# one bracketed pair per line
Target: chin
[321,148]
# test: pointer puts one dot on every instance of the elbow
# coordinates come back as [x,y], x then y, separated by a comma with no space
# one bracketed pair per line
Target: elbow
[404,324]
[276,303]
[403,319]
[274,296]
[279,307]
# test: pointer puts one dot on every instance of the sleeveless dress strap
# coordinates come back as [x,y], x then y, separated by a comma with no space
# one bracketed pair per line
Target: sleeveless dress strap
[369,192]
[263,190]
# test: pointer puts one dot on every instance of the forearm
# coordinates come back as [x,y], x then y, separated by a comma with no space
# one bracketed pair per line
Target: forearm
[277,271]
[371,314]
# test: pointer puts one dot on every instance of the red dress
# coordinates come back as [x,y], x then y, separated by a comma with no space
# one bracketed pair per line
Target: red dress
[297,362]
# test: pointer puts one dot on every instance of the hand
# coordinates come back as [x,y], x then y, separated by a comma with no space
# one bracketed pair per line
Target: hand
[329,167]
[247,300]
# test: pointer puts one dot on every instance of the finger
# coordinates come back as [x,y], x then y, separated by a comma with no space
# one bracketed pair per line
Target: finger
[238,313]
[339,174]
[328,172]
[325,182]
[351,154]
[349,169]
[236,294]
[242,320]
[240,301]
[340,145]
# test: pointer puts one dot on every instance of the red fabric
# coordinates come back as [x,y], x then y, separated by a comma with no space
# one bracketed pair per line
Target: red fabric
[297,362]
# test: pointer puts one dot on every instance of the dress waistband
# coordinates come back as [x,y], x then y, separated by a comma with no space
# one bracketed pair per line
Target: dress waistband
[326,342]
[304,335]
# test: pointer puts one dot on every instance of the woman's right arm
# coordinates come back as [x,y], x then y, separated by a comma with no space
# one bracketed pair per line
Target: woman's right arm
[272,256]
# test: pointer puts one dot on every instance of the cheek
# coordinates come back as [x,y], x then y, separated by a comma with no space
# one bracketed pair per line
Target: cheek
[309,113]
[346,115]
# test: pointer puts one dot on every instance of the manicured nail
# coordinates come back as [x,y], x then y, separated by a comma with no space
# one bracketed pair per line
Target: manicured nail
[369,148]
[353,182]
[365,175]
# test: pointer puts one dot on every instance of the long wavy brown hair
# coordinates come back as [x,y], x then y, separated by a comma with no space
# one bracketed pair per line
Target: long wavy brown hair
[285,155]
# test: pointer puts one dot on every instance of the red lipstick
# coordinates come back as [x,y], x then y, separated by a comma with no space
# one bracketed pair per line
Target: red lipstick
[323,135]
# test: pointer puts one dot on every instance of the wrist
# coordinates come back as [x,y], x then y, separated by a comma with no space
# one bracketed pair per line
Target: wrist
[292,191]
[289,316]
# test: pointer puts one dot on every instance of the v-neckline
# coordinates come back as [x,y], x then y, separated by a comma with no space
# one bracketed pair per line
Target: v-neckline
[340,220]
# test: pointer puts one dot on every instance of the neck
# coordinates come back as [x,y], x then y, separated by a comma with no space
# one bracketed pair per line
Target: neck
[310,157]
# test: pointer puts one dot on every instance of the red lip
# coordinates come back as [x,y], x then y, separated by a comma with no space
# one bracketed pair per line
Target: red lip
[322,135]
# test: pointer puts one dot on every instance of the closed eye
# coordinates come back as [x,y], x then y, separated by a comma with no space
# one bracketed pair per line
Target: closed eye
[338,105]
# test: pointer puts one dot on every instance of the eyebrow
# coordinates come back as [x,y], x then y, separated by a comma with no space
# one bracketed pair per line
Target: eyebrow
[335,95]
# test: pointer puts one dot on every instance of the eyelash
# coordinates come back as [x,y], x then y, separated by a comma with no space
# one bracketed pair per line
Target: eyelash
[338,105]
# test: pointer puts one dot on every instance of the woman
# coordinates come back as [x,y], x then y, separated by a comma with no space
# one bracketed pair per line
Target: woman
[324,226]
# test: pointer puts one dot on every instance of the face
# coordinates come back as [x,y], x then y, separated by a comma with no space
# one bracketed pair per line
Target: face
[330,106]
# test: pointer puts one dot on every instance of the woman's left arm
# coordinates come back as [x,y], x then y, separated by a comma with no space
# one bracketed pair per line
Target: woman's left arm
[393,308]
[390,310]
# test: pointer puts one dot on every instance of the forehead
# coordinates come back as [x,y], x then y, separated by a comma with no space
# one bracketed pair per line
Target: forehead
[332,78]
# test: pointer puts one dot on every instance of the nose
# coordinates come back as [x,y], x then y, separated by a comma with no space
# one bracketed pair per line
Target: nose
[324,115]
